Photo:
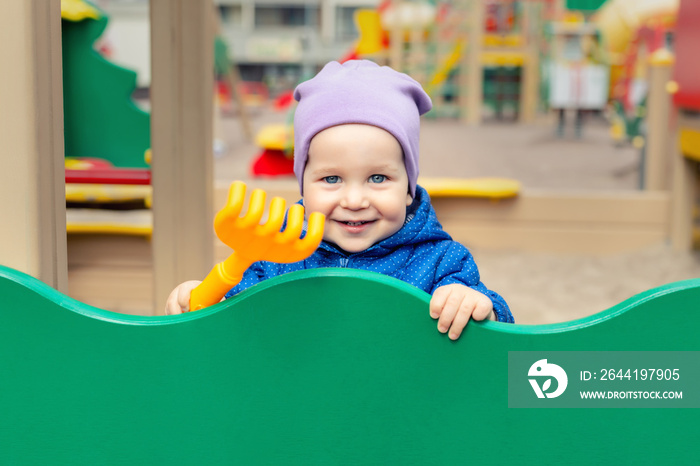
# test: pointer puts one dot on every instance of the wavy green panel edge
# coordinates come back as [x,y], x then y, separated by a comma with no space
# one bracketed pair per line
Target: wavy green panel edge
[317,367]
[76,306]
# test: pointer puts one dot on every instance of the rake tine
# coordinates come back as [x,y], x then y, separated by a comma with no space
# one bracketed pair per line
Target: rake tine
[227,216]
[275,218]
[256,208]
[295,223]
[314,233]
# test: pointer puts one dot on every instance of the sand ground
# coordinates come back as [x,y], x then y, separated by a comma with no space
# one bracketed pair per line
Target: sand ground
[540,288]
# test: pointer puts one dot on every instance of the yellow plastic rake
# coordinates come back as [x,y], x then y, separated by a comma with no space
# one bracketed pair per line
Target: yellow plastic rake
[253,241]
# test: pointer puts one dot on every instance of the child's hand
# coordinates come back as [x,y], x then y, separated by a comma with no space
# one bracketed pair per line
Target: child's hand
[454,304]
[179,299]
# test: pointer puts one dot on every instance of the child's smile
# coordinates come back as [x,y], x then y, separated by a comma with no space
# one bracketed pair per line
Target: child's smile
[355,175]
[356,227]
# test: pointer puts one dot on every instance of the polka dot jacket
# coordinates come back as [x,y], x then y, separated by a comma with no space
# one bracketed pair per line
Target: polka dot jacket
[420,253]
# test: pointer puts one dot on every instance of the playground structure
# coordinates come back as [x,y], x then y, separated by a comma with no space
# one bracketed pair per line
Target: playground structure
[120,136]
[107,137]
[460,47]
[444,47]
[532,220]
[287,373]
[276,158]
[633,32]
[671,151]
[685,134]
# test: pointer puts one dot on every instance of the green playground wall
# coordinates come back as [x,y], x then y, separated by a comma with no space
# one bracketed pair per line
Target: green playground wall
[585,5]
[101,119]
[317,367]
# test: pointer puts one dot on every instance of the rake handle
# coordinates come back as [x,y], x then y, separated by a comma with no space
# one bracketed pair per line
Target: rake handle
[224,276]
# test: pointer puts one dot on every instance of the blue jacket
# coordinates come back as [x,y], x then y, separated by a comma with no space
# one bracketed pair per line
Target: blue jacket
[420,253]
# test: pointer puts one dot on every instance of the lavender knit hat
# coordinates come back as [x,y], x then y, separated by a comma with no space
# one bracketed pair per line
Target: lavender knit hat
[360,91]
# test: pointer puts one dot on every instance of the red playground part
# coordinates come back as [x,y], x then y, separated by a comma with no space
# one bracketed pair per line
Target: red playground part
[351,55]
[284,101]
[98,171]
[139,176]
[272,163]
[687,65]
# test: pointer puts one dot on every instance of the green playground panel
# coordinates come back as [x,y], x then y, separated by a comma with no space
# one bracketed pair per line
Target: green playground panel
[100,118]
[328,366]
[584,5]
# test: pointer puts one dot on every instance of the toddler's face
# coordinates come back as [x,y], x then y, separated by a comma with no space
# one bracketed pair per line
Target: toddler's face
[355,176]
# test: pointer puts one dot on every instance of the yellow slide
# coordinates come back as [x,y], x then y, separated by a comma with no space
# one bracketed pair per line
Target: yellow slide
[444,71]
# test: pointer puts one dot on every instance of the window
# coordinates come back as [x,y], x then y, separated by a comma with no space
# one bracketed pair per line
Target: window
[286,16]
[345,23]
[231,15]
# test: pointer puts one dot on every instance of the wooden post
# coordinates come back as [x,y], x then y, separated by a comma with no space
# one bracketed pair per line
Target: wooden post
[396,46]
[683,187]
[471,74]
[529,77]
[182,62]
[32,184]
[656,171]
[440,53]
[417,60]
[233,79]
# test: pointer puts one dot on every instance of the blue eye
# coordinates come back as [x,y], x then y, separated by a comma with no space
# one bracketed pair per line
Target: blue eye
[377,178]
[331,179]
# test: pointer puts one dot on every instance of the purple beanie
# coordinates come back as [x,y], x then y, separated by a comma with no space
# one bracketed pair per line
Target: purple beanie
[360,91]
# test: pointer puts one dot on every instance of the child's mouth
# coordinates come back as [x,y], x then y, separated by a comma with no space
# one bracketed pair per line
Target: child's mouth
[355,227]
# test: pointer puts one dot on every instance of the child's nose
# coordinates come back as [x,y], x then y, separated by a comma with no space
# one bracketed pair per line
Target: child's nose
[354,198]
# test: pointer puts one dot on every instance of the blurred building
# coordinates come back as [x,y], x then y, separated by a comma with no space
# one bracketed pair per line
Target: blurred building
[278,42]
[283,41]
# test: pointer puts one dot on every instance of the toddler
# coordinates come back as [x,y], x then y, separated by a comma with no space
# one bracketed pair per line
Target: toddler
[356,130]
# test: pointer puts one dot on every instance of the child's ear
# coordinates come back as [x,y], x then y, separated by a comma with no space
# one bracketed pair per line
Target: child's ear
[409,200]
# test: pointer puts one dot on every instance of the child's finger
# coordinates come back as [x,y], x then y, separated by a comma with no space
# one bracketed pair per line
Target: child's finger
[483,309]
[449,311]
[183,297]
[461,320]
[185,292]
[437,302]
[171,304]
[179,299]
